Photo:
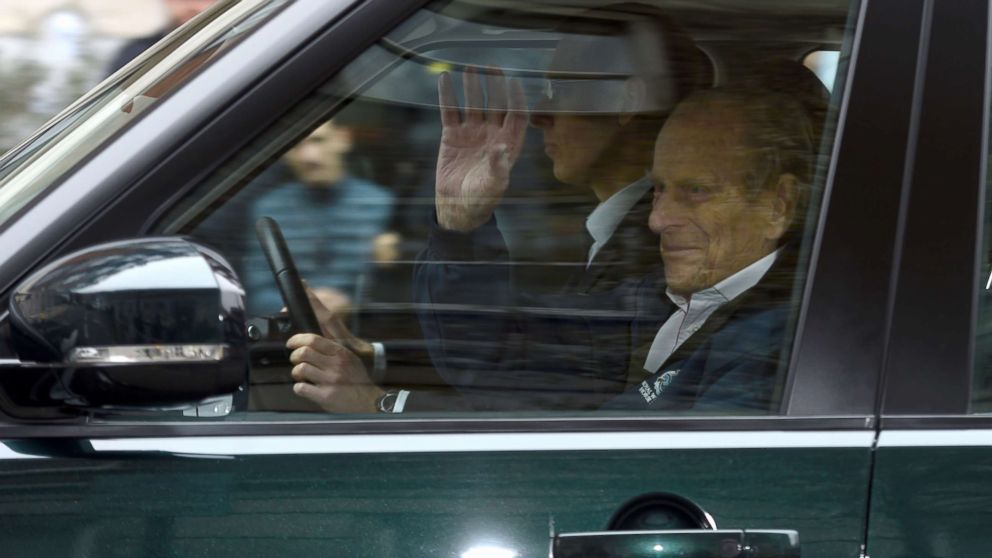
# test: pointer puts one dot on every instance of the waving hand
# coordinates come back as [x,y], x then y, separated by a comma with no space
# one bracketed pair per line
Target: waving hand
[478,151]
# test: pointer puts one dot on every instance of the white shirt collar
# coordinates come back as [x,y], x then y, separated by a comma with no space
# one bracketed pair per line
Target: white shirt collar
[731,287]
[604,220]
[686,321]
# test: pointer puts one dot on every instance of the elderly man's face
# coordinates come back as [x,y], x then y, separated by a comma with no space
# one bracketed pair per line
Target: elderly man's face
[710,228]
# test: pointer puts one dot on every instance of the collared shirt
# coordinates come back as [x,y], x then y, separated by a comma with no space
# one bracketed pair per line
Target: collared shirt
[604,220]
[690,314]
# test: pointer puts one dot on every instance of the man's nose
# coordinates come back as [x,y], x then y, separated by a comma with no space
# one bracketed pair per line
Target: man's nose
[540,116]
[665,212]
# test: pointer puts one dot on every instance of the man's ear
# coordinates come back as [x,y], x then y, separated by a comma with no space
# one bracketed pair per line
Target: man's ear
[634,98]
[784,200]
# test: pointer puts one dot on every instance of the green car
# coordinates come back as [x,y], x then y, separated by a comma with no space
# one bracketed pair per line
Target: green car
[508,278]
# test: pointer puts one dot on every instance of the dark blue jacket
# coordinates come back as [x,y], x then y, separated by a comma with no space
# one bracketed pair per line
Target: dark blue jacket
[501,349]
[576,351]
[733,364]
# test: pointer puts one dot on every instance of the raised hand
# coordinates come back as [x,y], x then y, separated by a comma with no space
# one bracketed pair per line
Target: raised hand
[478,151]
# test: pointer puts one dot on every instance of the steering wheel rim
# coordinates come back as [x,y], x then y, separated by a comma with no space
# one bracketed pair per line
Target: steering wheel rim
[288,280]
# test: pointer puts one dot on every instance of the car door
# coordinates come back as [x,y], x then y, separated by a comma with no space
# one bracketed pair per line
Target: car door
[929,489]
[457,482]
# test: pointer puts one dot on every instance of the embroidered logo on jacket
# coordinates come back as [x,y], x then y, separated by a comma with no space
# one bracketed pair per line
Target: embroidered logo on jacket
[653,390]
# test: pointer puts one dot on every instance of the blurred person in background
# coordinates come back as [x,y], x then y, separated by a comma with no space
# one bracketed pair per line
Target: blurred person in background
[335,222]
[179,11]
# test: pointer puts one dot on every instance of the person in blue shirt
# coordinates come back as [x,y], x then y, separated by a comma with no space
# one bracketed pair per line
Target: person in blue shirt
[331,220]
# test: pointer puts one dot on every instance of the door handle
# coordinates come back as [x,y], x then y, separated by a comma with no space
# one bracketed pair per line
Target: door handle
[720,543]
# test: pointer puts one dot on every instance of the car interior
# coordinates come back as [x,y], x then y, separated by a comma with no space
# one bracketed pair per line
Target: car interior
[388,99]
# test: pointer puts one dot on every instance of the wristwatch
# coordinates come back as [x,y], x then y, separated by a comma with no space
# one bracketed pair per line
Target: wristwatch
[387,401]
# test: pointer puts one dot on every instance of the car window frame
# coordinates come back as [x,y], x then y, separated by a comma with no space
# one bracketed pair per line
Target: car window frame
[846,400]
[930,358]
[106,177]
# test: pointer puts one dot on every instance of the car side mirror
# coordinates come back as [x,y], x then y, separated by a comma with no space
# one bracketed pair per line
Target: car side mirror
[152,323]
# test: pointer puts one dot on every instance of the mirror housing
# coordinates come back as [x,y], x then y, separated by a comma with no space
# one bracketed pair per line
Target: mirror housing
[151,323]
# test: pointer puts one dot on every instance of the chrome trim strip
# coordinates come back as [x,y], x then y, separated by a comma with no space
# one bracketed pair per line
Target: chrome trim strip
[138,354]
[466,443]
[934,438]
[657,532]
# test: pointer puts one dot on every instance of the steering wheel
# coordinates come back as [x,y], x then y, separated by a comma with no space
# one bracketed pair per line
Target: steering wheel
[294,293]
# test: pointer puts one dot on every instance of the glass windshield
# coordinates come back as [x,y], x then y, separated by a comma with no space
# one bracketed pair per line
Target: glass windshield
[81,129]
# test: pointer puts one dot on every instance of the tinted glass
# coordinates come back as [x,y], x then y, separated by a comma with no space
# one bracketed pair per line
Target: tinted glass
[28,170]
[517,207]
[981,388]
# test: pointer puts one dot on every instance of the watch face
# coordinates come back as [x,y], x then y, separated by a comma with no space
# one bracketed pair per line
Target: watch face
[387,401]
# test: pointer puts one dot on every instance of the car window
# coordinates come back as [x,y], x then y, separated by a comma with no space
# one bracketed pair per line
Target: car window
[981,386]
[31,168]
[510,207]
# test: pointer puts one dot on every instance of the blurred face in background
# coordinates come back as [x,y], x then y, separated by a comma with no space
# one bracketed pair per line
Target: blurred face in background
[319,160]
[182,11]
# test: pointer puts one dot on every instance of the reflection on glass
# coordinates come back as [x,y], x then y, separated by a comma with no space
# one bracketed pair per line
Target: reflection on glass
[583,209]
[27,170]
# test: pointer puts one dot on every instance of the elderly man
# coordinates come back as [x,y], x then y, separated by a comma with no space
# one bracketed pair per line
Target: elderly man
[730,171]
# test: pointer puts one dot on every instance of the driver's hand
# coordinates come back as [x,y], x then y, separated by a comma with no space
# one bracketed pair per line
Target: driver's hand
[331,306]
[331,376]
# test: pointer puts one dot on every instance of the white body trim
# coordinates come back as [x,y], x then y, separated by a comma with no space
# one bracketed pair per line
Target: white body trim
[464,443]
[934,438]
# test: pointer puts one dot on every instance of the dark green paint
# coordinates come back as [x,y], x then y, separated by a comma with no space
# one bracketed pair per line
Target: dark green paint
[931,502]
[411,505]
